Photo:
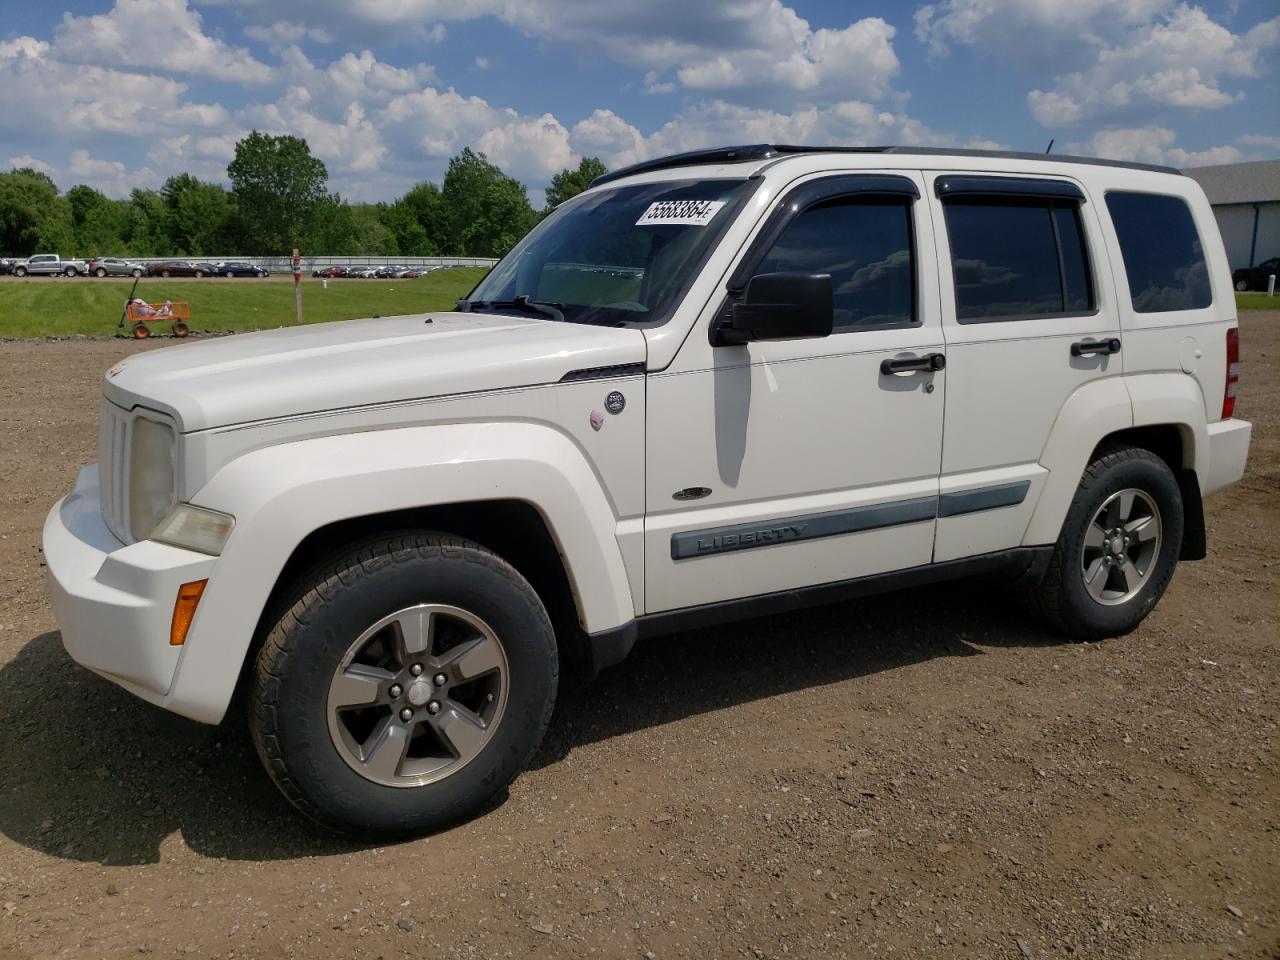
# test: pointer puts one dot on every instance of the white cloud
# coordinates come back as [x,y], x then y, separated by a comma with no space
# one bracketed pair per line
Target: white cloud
[760,48]
[157,34]
[28,161]
[1151,145]
[1180,61]
[284,33]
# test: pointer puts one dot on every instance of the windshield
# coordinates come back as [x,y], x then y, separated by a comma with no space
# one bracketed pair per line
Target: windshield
[624,255]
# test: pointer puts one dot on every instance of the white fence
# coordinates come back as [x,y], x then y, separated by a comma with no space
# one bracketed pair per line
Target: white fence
[285,264]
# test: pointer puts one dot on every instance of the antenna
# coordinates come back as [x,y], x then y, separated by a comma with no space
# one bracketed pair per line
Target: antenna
[1049,148]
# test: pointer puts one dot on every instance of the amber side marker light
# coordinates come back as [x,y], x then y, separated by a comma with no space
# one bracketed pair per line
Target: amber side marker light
[184,611]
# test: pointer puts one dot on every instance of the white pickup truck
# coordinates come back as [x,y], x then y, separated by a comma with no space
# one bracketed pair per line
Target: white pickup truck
[50,265]
[711,386]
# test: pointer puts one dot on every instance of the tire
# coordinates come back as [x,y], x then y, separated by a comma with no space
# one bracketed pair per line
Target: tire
[313,754]
[180,329]
[199,274]
[69,272]
[141,331]
[1068,596]
[99,273]
[229,274]
[1242,285]
[165,274]
[19,271]
[135,274]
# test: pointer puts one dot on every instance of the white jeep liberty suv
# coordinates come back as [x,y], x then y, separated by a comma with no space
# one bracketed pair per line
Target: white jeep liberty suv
[713,385]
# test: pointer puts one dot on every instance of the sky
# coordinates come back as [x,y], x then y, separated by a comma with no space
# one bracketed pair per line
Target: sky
[122,95]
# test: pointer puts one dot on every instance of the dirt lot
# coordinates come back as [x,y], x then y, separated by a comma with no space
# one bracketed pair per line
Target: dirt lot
[929,774]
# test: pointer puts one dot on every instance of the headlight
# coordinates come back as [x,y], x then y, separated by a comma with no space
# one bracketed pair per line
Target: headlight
[151,470]
[195,528]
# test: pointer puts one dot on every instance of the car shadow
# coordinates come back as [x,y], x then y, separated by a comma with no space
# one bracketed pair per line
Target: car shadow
[93,774]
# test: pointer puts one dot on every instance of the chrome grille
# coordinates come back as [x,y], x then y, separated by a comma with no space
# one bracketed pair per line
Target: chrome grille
[113,469]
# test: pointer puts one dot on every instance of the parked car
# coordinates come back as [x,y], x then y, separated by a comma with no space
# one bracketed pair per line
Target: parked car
[1256,278]
[182,268]
[115,267]
[49,265]
[6,266]
[238,268]
[364,273]
[816,375]
[331,273]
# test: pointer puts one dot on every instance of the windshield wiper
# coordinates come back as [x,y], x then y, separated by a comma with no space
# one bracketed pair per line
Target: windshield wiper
[553,311]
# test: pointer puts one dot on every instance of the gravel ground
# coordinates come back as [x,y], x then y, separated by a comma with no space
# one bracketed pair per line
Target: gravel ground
[927,774]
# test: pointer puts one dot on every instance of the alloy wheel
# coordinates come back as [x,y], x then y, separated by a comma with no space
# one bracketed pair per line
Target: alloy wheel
[1121,546]
[418,695]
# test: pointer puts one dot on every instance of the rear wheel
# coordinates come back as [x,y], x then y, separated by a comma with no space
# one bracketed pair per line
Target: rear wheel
[164,273]
[199,274]
[410,681]
[135,274]
[1242,285]
[1118,547]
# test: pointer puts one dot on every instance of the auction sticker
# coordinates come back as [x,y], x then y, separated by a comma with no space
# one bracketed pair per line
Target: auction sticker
[689,213]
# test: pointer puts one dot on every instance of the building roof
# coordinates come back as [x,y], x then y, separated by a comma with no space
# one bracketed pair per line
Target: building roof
[1257,182]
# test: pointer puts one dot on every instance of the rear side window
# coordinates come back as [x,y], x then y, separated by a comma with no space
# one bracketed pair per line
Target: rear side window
[865,244]
[1017,258]
[1162,254]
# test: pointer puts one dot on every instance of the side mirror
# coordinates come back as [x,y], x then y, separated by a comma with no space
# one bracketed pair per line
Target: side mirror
[780,306]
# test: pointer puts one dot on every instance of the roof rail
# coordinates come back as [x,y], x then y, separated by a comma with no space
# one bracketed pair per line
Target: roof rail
[770,151]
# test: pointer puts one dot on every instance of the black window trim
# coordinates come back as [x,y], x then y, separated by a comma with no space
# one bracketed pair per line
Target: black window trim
[965,185]
[976,197]
[846,186]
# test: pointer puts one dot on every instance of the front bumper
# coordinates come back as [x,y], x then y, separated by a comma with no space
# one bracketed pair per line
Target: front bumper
[1228,451]
[114,603]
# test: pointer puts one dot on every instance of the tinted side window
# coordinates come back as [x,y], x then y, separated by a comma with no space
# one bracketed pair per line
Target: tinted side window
[865,244]
[1017,258]
[1162,253]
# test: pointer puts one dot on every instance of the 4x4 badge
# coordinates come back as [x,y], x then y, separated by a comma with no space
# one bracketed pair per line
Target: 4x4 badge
[615,402]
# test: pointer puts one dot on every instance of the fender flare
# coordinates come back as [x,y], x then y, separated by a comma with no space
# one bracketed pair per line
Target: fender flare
[1094,410]
[282,493]
[1103,407]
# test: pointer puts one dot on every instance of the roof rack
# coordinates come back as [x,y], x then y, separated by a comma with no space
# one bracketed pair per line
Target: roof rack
[772,151]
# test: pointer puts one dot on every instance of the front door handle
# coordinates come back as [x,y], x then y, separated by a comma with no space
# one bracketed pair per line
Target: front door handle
[930,362]
[1089,348]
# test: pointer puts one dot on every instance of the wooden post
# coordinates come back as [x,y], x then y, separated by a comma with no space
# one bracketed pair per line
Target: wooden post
[297,284]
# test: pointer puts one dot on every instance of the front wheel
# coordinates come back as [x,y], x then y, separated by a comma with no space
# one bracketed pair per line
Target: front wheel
[1118,547]
[69,272]
[165,274]
[199,274]
[135,274]
[20,271]
[100,273]
[409,682]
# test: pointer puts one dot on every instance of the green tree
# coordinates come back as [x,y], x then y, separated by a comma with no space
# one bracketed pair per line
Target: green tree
[148,233]
[199,216]
[483,210]
[33,218]
[570,182]
[276,184]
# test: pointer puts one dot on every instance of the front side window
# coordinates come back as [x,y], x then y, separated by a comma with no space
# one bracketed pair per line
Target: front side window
[1162,254]
[616,256]
[864,243]
[1017,258]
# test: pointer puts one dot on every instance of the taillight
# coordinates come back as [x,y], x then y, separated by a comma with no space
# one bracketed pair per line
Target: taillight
[1233,373]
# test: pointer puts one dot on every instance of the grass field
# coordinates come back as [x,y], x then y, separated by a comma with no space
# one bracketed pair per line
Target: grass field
[44,307]
[47,307]
[1257,301]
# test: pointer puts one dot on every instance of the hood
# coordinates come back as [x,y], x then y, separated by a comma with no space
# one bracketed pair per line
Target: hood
[332,366]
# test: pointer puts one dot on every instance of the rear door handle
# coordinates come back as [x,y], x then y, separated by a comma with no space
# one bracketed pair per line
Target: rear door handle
[1089,348]
[930,362]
